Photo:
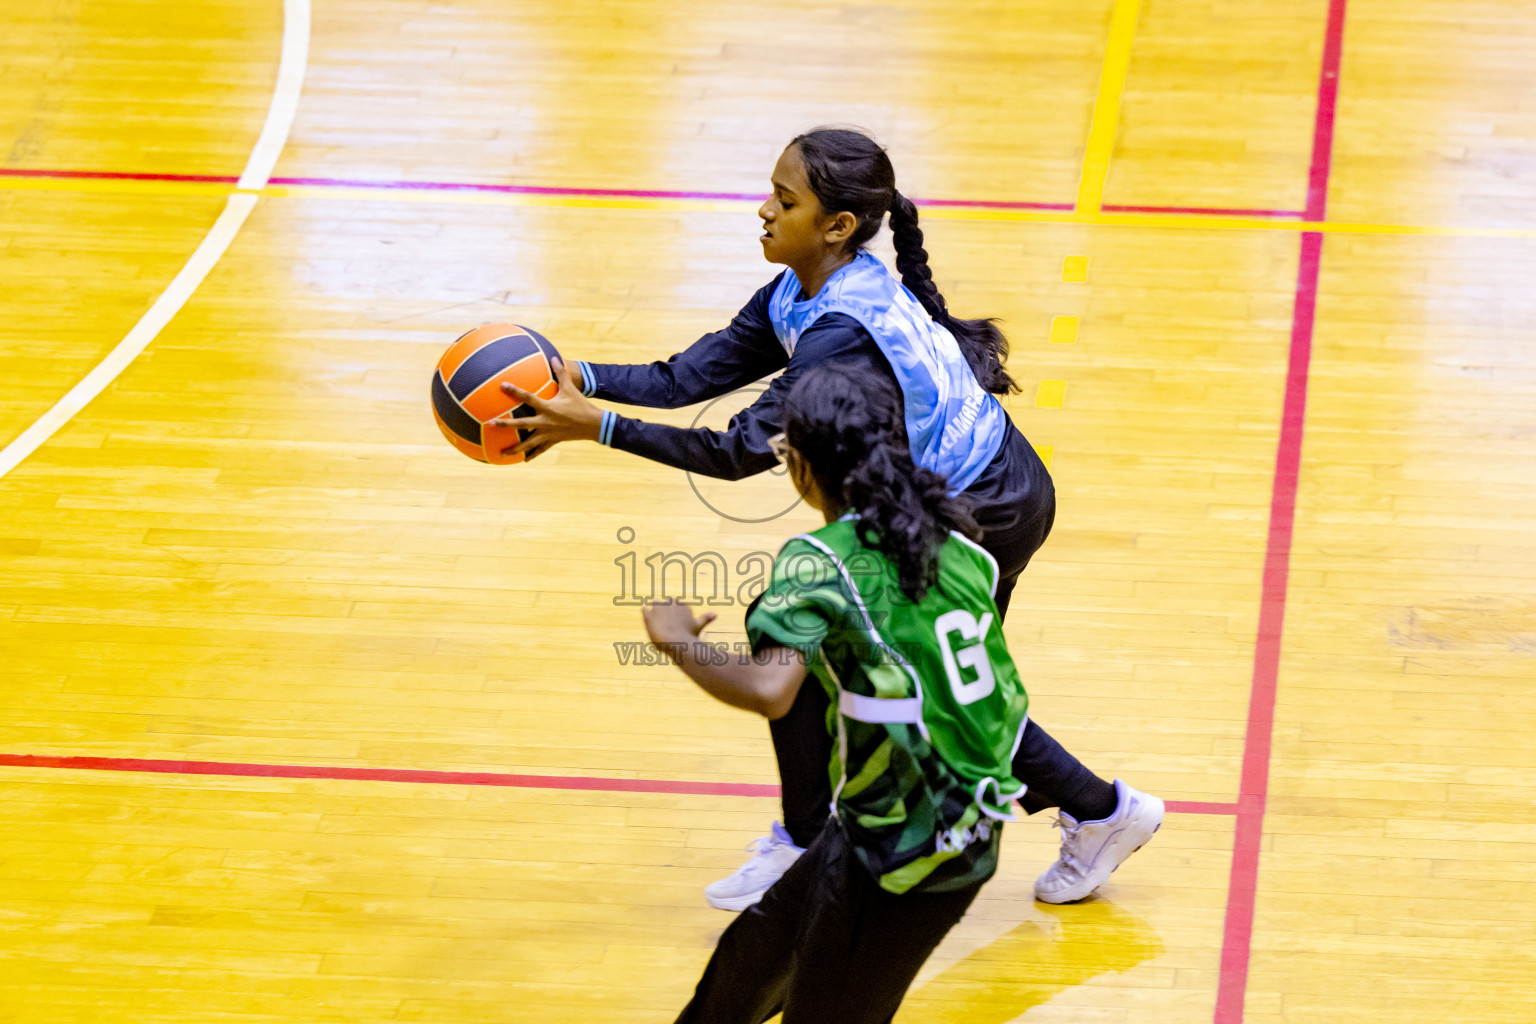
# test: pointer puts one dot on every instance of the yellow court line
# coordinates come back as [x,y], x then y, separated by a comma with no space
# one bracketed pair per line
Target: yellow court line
[1106,107]
[1170,221]
[1051,394]
[1063,330]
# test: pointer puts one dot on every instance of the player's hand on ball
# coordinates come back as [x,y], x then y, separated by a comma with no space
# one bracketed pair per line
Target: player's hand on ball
[667,622]
[568,416]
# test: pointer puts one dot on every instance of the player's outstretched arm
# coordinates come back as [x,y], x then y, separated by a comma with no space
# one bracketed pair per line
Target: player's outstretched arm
[718,363]
[766,689]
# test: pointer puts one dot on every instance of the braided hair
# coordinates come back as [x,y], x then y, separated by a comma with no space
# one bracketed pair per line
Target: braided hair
[847,170]
[850,430]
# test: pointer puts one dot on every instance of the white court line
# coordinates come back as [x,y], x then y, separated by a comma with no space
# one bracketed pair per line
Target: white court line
[258,168]
[285,97]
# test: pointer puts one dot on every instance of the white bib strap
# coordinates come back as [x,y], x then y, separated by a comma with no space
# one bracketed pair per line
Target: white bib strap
[880,711]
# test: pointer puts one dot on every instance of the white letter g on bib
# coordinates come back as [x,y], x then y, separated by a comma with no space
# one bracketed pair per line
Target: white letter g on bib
[973,657]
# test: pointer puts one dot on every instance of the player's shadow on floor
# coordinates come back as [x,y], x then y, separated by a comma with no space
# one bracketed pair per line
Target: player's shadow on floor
[1032,964]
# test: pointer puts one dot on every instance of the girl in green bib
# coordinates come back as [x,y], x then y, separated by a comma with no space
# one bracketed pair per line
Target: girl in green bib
[890,609]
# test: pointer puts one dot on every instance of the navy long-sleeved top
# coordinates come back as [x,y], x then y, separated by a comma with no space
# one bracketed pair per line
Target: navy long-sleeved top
[1009,491]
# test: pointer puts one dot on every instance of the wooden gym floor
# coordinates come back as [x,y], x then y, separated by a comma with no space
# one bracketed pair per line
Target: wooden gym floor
[308,718]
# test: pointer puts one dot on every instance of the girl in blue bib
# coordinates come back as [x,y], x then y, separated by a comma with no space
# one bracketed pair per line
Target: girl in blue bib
[835,302]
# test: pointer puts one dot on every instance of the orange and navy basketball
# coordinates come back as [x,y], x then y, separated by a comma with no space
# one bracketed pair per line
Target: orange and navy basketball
[467,394]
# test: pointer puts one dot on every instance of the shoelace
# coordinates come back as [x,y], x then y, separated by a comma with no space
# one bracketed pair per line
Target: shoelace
[1069,838]
[759,847]
[762,844]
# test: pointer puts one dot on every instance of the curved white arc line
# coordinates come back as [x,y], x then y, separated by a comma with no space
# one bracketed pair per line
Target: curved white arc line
[236,209]
[274,134]
[285,96]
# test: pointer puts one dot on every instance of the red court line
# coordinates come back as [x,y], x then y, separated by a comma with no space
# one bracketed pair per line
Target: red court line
[1207,211]
[316,771]
[520,190]
[443,778]
[625,193]
[606,193]
[27,172]
[1253,791]
[993,204]
[465,186]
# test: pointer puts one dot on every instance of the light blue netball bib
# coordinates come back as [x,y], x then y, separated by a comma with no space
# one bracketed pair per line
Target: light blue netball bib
[955,426]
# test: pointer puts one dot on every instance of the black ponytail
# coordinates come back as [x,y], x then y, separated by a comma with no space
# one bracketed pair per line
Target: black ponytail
[982,341]
[850,429]
[847,170]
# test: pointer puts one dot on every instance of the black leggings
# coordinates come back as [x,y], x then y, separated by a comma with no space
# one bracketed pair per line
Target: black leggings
[1055,778]
[825,945]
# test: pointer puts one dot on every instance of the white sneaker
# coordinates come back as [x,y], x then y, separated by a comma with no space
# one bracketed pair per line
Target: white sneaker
[771,857]
[1091,850]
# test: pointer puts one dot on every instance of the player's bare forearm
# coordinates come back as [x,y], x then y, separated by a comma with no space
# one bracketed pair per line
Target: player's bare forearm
[766,688]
